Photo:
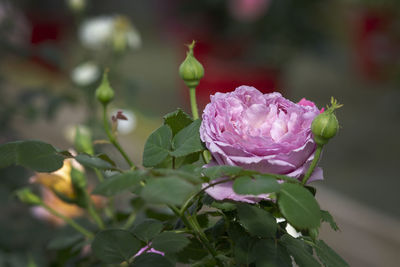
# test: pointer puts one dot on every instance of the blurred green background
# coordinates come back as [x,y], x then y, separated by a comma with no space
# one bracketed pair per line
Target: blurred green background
[52,54]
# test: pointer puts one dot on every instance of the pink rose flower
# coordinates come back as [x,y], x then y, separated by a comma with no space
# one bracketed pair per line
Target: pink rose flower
[261,132]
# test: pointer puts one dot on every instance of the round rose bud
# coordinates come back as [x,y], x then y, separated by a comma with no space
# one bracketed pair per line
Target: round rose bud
[191,70]
[104,93]
[261,132]
[324,127]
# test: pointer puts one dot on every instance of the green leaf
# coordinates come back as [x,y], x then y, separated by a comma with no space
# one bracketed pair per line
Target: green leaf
[328,256]
[36,155]
[191,177]
[257,221]
[119,183]
[261,184]
[8,154]
[177,120]
[147,229]
[157,146]
[299,206]
[115,245]
[242,250]
[168,190]
[216,172]
[327,217]
[151,260]
[268,253]
[63,242]
[188,159]
[187,141]
[170,242]
[297,249]
[94,162]
[192,252]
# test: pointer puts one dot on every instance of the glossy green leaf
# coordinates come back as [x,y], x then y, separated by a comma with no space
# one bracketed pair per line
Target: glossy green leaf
[299,206]
[93,162]
[39,156]
[115,245]
[255,186]
[327,217]
[170,242]
[257,221]
[194,251]
[157,147]
[64,242]
[36,155]
[177,120]
[191,177]
[8,154]
[297,249]
[187,141]
[328,256]
[268,253]
[168,190]
[216,172]
[147,229]
[151,260]
[242,250]
[118,183]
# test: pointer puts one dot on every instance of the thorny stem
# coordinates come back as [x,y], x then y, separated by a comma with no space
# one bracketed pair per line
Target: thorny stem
[113,140]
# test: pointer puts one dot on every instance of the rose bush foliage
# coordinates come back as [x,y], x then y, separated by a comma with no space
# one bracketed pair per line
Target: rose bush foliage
[185,207]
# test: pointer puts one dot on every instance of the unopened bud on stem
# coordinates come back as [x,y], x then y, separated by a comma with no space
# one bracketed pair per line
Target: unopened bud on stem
[104,93]
[191,70]
[326,125]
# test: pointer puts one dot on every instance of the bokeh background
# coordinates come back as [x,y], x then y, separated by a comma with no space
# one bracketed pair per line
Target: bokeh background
[52,54]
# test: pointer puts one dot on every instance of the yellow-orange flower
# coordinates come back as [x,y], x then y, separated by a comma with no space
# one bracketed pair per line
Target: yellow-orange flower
[60,182]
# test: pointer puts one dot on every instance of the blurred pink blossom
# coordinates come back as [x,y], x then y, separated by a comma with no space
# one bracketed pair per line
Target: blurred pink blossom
[248,10]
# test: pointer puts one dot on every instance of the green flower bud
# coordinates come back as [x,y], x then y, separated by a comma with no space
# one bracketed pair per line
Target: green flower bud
[326,125]
[104,93]
[191,70]
[25,195]
[83,140]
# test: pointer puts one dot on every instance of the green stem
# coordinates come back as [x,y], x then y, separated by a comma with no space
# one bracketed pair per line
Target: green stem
[193,103]
[95,216]
[190,224]
[131,219]
[113,140]
[99,175]
[109,208]
[69,221]
[313,164]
